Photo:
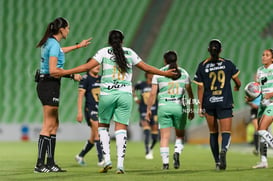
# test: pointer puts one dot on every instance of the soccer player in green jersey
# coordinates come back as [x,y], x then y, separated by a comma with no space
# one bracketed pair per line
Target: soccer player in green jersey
[116,92]
[171,110]
[265,111]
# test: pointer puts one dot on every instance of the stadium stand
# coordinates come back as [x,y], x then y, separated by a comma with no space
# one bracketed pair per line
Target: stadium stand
[22,26]
[244,27]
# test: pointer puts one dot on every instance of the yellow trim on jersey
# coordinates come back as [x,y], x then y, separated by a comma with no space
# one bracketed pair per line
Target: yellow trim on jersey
[209,59]
[205,61]
[198,83]
[235,75]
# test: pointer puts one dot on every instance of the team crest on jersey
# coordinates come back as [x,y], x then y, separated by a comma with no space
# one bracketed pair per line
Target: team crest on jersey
[219,63]
[110,51]
[208,66]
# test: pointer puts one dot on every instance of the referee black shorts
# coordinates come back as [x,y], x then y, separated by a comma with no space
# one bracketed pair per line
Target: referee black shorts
[49,91]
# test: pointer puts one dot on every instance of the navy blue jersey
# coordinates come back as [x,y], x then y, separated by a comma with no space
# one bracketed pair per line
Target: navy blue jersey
[92,91]
[145,90]
[215,77]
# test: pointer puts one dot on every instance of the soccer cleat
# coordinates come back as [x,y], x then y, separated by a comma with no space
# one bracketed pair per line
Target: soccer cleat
[223,163]
[261,165]
[120,171]
[80,160]
[150,155]
[41,169]
[101,163]
[217,166]
[176,162]
[55,168]
[165,166]
[106,167]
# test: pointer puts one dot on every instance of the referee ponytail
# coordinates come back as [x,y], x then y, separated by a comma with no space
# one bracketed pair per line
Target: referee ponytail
[53,29]
[170,58]
[115,40]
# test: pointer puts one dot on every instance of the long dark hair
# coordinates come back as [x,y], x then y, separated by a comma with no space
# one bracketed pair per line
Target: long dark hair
[170,58]
[115,40]
[53,29]
[271,51]
[215,49]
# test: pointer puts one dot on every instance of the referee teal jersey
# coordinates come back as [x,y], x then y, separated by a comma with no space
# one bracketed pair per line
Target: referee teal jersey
[51,48]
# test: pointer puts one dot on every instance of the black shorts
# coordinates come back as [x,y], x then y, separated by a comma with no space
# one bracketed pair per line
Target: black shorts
[49,91]
[253,113]
[90,114]
[153,118]
[220,113]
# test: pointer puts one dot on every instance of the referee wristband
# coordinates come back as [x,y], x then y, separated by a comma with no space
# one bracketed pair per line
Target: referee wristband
[78,46]
[71,76]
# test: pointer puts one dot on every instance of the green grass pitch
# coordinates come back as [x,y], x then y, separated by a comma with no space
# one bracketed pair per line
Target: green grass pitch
[17,160]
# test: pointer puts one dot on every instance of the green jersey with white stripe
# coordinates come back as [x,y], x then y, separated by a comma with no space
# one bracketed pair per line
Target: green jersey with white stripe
[112,80]
[171,91]
[265,77]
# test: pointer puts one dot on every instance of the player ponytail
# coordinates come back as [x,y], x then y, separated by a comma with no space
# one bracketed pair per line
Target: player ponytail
[170,58]
[115,40]
[53,29]
[215,49]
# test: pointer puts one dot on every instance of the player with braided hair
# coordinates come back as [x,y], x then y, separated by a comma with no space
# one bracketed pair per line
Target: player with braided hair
[115,92]
[171,110]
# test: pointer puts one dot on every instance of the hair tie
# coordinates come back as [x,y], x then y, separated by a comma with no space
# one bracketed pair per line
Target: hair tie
[51,26]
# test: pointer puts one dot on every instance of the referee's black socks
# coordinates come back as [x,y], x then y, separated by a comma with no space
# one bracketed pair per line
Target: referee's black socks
[51,150]
[43,143]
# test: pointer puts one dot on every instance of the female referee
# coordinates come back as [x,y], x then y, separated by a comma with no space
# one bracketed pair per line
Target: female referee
[171,111]
[116,92]
[213,77]
[48,89]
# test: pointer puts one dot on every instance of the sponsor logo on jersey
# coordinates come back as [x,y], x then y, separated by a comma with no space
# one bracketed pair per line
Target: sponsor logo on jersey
[54,99]
[147,89]
[93,113]
[215,99]
[116,85]
[215,68]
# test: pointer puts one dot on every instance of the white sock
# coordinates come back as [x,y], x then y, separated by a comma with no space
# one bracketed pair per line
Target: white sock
[105,143]
[266,136]
[263,150]
[178,147]
[121,139]
[164,152]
